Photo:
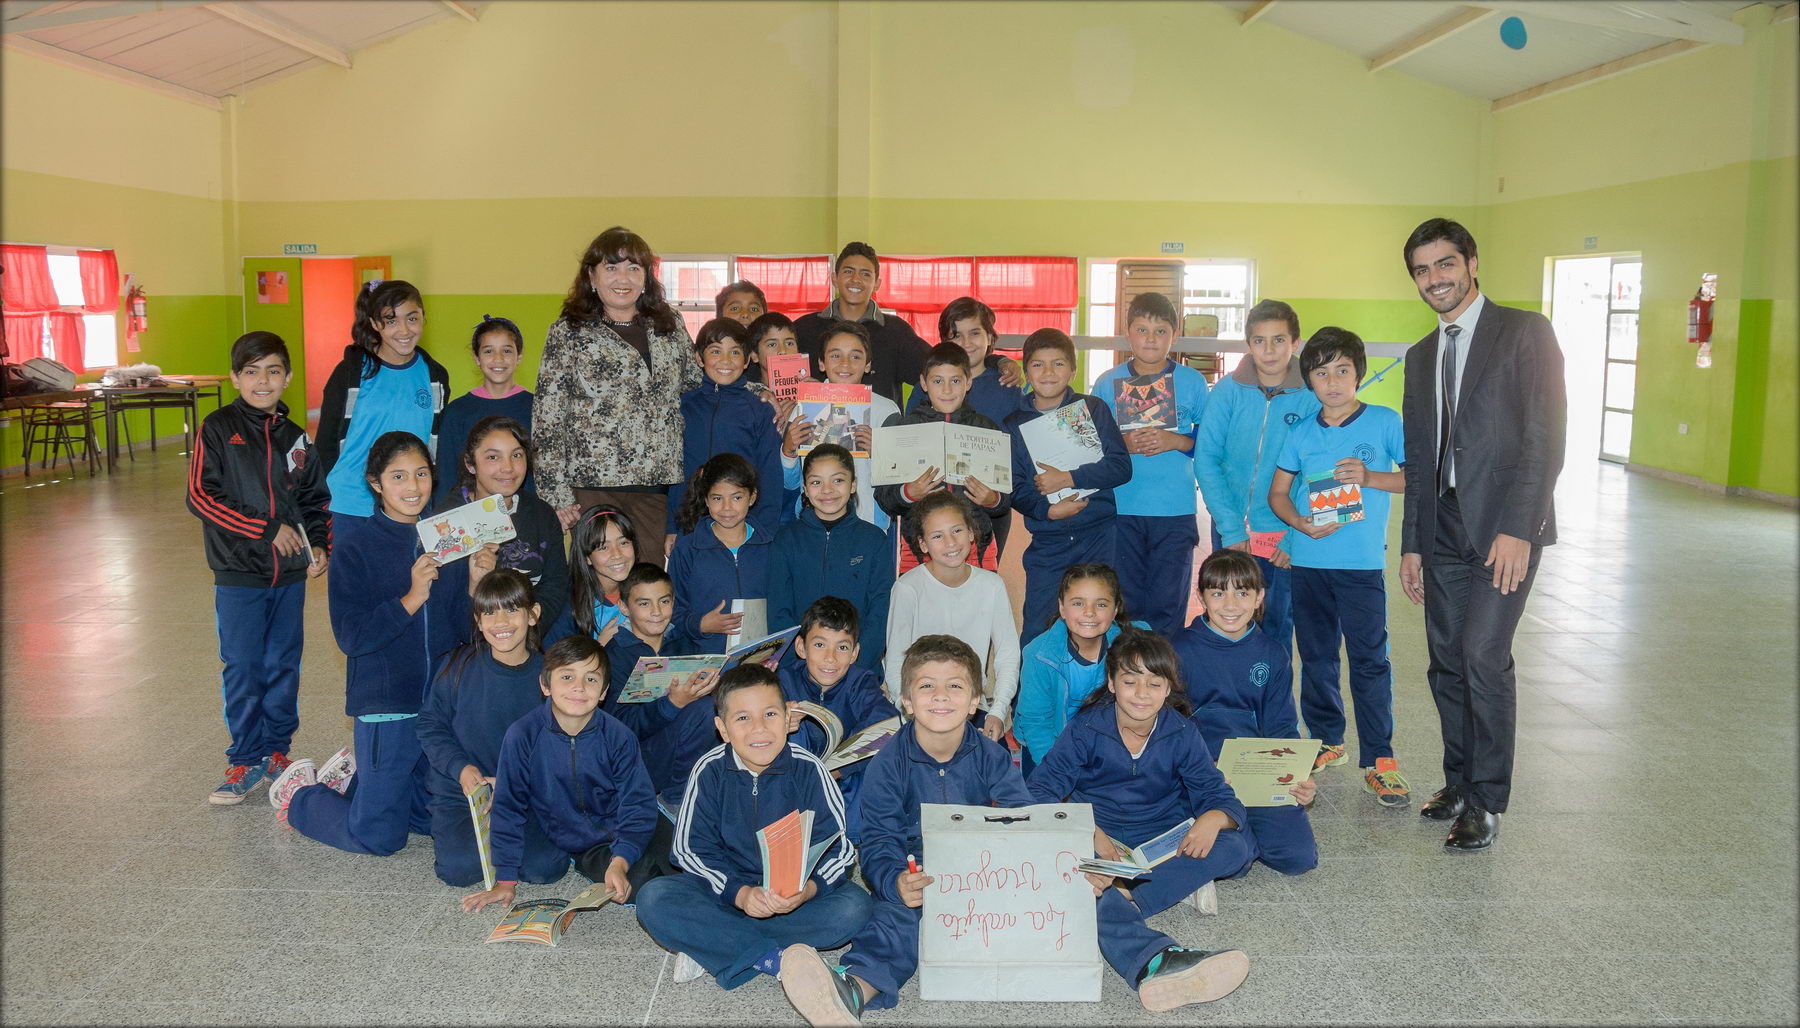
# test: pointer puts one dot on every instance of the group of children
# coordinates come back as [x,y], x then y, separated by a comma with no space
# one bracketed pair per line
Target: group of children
[506,668]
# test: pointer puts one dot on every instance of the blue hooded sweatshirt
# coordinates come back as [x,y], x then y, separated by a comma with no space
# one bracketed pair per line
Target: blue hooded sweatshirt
[856,699]
[730,419]
[903,776]
[1111,470]
[584,789]
[1241,432]
[1241,689]
[470,706]
[1052,685]
[392,655]
[848,558]
[725,805]
[1135,798]
[705,572]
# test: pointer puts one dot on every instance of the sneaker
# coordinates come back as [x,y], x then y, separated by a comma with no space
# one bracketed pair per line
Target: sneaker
[299,775]
[1329,756]
[1178,976]
[823,994]
[274,764]
[687,969]
[1386,782]
[239,780]
[337,772]
[1204,899]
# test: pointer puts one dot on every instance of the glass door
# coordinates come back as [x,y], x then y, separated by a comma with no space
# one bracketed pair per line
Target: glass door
[1619,394]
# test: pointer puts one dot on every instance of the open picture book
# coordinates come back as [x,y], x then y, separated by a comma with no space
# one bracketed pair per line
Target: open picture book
[481,807]
[840,751]
[543,921]
[1065,438]
[460,531]
[1139,861]
[959,452]
[653,677]
[787,858]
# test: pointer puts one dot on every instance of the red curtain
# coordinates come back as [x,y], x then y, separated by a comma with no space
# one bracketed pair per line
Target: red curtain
[917,288]
[24,337]
[99,281]
[1029,293]
[25,286]
[67,335]
[793,285]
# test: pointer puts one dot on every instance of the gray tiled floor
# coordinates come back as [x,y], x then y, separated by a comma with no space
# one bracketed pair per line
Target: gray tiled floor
[1646,873]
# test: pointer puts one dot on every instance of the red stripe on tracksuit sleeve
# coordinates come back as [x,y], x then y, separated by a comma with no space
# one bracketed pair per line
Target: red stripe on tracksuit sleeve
[211,509]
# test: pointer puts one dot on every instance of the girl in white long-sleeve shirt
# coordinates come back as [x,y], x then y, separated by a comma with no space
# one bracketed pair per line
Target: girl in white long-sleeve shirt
[945,595]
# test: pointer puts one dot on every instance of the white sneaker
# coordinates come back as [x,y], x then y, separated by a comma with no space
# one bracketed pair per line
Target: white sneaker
[1204,899]
[299,774]
[687,969]
[338,771]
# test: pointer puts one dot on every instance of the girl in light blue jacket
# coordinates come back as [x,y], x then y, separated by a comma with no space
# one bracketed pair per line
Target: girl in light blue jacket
[1067,661]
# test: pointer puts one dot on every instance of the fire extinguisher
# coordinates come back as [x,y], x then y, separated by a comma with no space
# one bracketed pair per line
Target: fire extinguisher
[1700,319]
[136,320]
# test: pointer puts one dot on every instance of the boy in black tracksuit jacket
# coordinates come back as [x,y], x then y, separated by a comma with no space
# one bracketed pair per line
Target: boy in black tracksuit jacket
[258,488]
[721,913]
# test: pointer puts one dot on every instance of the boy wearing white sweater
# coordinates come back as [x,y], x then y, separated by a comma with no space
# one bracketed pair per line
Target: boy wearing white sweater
[945,595]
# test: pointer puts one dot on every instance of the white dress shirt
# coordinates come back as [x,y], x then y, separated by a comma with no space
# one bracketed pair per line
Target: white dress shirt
[1466,322]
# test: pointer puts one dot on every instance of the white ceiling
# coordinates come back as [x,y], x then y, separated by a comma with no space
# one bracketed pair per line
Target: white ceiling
[1562,38]
[204,51]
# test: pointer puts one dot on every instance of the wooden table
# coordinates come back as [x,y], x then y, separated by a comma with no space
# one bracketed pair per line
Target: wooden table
[119,399]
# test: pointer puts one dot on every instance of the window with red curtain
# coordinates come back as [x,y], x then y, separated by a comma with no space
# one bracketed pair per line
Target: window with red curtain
[67,334]
[917,288]
[24,337]
[25,287]
[792,285]
[1029,293]
[99,281]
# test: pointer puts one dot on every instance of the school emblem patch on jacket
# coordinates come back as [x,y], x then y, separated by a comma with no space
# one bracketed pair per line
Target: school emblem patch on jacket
[1259,674]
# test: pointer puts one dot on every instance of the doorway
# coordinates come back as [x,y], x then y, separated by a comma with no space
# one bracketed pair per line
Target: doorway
[1593,306]
[309,302]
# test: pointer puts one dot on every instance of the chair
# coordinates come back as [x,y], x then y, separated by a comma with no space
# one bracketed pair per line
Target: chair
[59,429]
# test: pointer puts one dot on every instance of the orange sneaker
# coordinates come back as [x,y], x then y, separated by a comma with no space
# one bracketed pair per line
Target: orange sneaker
[1386,782]
[1329,756]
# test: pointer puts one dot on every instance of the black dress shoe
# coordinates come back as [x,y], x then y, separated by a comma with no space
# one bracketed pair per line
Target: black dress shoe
[1475,830]
[1445,804]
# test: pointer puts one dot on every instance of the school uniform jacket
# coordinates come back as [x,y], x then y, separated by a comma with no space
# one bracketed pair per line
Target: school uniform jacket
[848,558]
[252,472]
[857,700]
[392,655]
[670,738]
[719,419]
[1134,798]
[725,806]
[986,395]
[468,709]
[1240,689]
[705,572]
[903,776]
[338,405]
[1112,469]
[1240,435]
[1052,685]
[894,501]
[584,789]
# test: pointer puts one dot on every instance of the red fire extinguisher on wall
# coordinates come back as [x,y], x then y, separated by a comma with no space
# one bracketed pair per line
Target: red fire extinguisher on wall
[1700,319]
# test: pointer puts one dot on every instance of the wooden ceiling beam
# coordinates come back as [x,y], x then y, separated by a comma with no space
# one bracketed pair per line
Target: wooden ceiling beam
[22,17]
[1257,10]
[1598,72]
[1429,36]
[282,33]
[1670,19]
[82,62]
[462,9]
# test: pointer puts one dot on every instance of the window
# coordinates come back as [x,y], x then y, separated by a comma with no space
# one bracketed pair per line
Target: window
[1221,287]
[60,303]
[691,282]
[100,336]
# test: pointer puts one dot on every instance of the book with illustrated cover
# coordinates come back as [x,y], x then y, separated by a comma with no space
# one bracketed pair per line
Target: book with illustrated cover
[784,373]
[458,532]
[543,921]
[1139,861]
[1065,439]
[653,677]
[839,751]
[1331,502]
[835,410]
[1145,401]
[787,857]
[481,807]
[1261,771]
[903,452]
[755,624]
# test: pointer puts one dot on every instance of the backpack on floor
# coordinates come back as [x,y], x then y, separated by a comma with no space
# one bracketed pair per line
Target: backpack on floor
[48,375]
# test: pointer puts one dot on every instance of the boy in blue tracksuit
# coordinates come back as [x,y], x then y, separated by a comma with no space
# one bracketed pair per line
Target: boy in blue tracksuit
[1156,528]
[1340,548]
[828,551]
[1236,677]
[721,913]
[828,673]
[674,729]
[1074,530]
[722,415]
[575,771]
[260,494]
[1247,417]
[936,758]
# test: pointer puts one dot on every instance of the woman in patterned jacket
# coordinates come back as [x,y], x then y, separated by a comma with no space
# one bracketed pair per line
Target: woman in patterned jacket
[608,417]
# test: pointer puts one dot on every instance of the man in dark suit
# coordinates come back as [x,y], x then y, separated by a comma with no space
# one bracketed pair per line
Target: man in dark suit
[1485,415]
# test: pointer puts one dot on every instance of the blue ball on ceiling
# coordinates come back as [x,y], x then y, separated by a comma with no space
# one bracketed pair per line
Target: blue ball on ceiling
[1512,33]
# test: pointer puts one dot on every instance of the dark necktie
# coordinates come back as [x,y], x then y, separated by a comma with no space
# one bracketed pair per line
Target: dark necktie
[1447,396]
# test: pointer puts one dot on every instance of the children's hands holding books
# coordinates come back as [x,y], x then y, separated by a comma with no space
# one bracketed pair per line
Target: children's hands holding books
[1350,471]
[289,542]
[471,778]
[979,494]
[1198,841]
[798,431]
[794,717]
[616,881]
[503,893]
[911,885]
[1050,480]
[481,562]
[917,489]
[759,902]
[1067,508]
[691,688]
[1151,441]
[424,572]
[1304,792]
[1316,531]
[717,622]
